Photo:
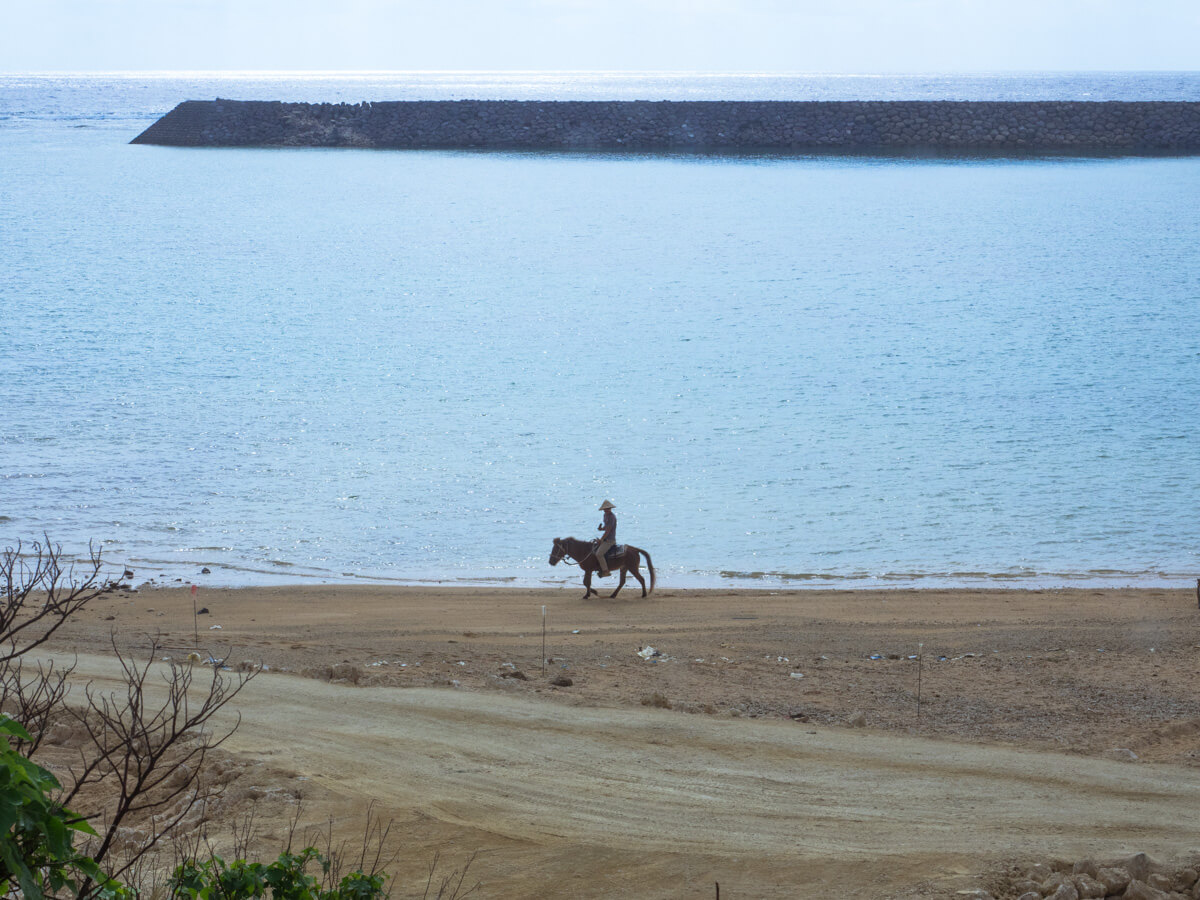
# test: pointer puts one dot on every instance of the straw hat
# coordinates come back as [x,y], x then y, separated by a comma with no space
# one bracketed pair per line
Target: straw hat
[607,505]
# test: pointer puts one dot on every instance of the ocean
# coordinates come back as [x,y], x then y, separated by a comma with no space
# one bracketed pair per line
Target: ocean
[420,367]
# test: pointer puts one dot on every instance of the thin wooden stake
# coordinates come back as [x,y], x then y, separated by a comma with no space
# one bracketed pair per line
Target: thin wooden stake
[920,657]
[543,641]
[195,621]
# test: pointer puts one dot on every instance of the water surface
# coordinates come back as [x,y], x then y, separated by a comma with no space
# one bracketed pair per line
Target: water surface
[424,365]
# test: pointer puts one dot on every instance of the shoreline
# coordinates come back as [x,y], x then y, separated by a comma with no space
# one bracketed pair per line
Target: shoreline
[248,577]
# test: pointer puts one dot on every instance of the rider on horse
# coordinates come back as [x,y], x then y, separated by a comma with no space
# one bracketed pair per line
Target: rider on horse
[608,539]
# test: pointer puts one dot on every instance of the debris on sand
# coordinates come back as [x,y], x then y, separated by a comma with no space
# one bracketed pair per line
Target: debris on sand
[797,674]
[648,653]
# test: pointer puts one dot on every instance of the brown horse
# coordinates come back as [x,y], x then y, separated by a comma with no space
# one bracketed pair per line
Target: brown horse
[583,552]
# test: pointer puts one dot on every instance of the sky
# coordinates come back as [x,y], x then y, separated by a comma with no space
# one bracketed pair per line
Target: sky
[768,36]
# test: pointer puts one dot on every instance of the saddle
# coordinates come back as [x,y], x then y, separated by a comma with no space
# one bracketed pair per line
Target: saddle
[615,552]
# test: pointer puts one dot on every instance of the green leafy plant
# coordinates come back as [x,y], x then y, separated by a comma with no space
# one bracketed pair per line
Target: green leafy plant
[285,879]
[37,835]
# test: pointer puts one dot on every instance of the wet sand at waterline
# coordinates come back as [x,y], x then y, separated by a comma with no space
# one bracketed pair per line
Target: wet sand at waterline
[728,757]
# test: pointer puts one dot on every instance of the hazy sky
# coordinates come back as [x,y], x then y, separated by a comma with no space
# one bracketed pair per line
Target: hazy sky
[629,35]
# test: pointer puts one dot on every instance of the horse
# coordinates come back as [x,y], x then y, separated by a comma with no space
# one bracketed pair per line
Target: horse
[583,553]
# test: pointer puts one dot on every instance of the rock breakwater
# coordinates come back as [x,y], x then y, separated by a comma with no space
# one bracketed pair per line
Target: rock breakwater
[720,127]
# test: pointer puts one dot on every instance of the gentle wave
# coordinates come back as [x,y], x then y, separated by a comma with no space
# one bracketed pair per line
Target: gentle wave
[1086,578]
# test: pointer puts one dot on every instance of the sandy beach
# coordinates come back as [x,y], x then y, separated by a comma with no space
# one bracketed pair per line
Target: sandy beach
[770,741]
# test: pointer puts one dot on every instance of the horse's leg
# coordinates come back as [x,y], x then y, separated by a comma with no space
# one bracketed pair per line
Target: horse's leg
[587,583]
[621,584]
[638,575]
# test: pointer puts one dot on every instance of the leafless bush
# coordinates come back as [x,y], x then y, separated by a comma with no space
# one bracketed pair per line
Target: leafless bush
[367,854]
[33,698]
[142,764]
[139,771]
[26,578]
[449,887]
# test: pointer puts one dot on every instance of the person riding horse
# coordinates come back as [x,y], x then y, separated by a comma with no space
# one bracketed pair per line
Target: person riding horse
[607,540]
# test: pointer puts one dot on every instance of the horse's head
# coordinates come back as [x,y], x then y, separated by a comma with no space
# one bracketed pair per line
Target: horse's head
[557,552]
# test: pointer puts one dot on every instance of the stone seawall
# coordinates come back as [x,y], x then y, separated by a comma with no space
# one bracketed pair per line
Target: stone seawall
[723,127]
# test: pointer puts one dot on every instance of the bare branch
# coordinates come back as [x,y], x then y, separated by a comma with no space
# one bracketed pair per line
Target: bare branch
[25,577]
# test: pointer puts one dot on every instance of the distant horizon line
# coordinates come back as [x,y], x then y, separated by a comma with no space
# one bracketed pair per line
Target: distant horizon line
[606,72]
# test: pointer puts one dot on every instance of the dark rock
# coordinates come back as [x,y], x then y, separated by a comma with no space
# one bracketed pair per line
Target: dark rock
[202,611]
[562,681]
[515,673]
[206,571]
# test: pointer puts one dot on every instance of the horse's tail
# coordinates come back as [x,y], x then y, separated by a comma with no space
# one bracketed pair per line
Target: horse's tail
[650,566]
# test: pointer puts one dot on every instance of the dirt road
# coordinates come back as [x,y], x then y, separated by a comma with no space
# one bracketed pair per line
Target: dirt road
[575,801]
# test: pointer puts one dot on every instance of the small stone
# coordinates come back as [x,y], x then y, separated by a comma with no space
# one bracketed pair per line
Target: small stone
[1121,754]
[1089,888]
[206,571]
[1185,879]
[1085,867]
[515,673]
[1159,881]
[1031,895]
[1065,891]
[562,681]
[1139,866]
[1139,890]
[1039,872]
[1055,881]
[1114,879]
[1025,886]
[857,720]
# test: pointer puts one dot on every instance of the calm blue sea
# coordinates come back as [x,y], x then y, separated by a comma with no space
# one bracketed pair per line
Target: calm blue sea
[331,365]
